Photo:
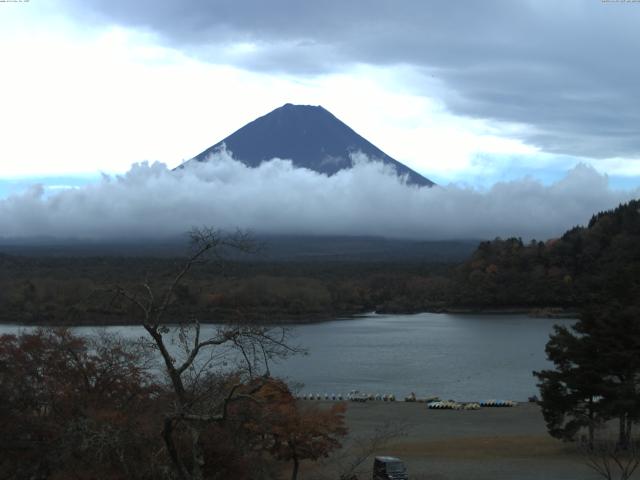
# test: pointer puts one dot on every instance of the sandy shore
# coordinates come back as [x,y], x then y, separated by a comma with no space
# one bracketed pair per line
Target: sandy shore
[491,443]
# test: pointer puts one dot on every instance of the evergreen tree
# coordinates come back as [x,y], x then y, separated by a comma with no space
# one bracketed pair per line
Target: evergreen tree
[615,331]
[570,394]
[596,376]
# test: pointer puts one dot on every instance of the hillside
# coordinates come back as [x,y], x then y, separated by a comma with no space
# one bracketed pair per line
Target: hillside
[587,264]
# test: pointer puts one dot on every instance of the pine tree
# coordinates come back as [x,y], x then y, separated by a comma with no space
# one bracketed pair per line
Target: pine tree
[596,376]
[570,393]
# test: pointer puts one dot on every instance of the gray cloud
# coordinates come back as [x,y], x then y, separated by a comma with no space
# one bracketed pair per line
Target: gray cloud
[566,70]
[152,201]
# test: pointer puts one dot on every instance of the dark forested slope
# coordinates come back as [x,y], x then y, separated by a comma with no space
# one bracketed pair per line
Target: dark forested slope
[587,264]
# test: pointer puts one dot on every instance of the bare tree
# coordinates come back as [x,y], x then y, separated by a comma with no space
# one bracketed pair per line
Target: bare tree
[197,399]
[609,460]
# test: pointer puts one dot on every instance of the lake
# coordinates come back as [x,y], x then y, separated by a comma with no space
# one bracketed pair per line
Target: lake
[462,357]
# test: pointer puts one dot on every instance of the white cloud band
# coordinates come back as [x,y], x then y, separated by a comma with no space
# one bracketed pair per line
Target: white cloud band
[150,200]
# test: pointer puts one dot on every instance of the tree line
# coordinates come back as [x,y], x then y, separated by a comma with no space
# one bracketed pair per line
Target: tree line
[583,266]
[594,386]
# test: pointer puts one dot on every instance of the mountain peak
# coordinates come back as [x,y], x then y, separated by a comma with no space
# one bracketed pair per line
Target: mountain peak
[310,136]
[293,106]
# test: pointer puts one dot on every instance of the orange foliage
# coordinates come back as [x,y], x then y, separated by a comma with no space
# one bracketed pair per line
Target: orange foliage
[67,407]
[291,431]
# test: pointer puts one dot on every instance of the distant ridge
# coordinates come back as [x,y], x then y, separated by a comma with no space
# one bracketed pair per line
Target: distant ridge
[310,136]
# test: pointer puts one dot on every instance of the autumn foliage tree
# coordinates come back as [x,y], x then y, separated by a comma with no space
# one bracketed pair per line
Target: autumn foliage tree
[308,433]
[293,432]
[70,406]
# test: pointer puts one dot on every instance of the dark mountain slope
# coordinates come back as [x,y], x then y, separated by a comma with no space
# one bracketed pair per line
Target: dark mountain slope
[310,136]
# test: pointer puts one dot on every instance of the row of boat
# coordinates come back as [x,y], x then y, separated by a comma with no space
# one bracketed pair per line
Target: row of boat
[432,402]
[451,405]
[353,396]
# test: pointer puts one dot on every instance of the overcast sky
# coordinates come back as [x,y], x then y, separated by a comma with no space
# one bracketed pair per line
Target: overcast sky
[467,93]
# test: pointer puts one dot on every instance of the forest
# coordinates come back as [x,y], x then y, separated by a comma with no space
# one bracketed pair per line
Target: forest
[552,277]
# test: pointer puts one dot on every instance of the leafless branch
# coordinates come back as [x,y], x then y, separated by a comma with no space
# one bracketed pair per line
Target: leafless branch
[198,397]
[606,458]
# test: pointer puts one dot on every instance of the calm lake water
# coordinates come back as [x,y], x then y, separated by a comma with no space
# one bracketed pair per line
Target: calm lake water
[462,357]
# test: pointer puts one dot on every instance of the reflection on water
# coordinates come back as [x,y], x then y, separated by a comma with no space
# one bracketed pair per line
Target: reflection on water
[462,357]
